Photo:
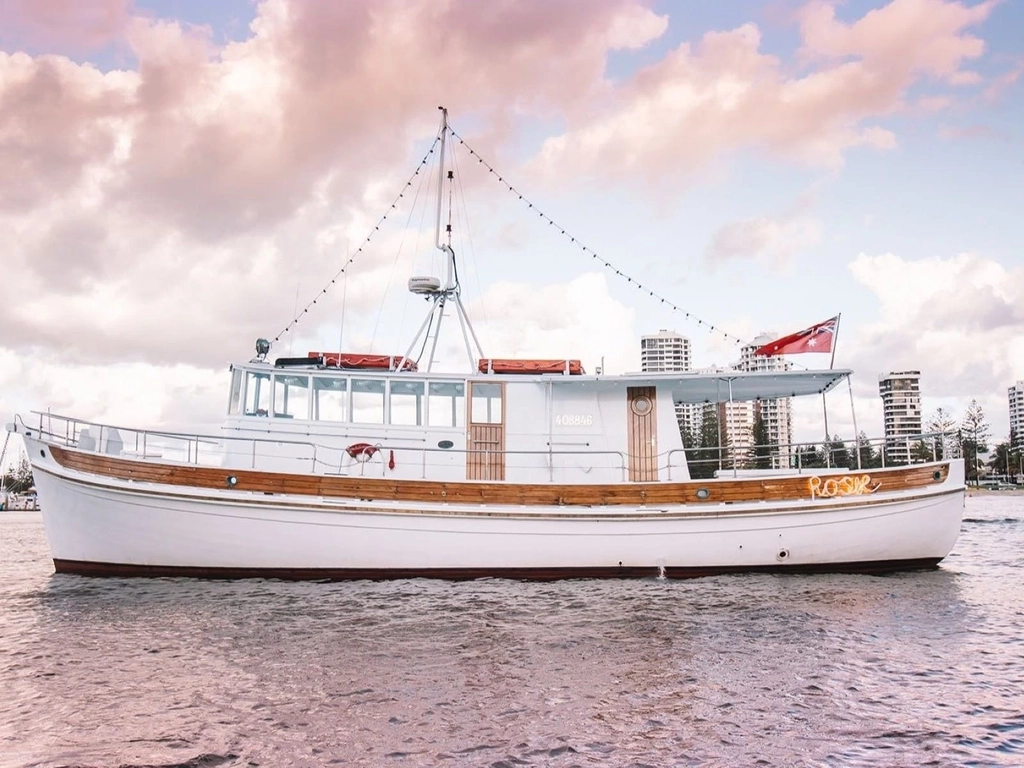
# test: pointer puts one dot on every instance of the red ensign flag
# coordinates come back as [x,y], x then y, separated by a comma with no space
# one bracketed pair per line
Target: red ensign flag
[817,338]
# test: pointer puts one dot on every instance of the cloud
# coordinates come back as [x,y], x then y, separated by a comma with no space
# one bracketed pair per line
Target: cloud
[724,94]
[577,319]
[934,103]
[159,211]
[974,131]
[775,238]
[958,320]
[903,38]
[71,26]
[1003,82]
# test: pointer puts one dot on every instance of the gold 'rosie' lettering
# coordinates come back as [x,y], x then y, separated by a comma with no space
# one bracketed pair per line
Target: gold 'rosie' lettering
[846,485]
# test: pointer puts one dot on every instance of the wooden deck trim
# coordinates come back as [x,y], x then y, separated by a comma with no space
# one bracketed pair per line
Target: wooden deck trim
[768,489]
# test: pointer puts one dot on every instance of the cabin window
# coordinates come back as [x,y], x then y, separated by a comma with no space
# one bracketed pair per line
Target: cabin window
[486,404]
[257,394]
[235,402]
[368,401]
[446,404]
[407,400]
[330,398]
[291,396]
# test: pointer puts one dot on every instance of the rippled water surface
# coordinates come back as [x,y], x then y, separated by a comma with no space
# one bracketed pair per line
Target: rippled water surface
[919,668]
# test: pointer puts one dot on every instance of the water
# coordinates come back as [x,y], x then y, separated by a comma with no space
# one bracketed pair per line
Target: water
[913,669]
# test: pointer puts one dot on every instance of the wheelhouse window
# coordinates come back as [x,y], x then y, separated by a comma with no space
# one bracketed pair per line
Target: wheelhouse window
[407,401]
[235,401]
[257,393]
[446,404]
[330,398]
[368,401]
[486,404]
[291,396]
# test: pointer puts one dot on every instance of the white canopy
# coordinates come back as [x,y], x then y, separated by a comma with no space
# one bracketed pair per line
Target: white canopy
[722,386]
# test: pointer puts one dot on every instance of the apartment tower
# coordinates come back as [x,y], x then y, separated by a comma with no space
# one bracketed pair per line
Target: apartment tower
[901,413]
[1016,398]
[664,352]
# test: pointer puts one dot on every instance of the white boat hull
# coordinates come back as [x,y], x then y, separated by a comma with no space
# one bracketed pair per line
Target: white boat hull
[105,525]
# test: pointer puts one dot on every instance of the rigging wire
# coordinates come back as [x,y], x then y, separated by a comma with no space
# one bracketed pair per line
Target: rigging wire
[365,243]
[344,296]
[589,251]
[398,255]
[464,222]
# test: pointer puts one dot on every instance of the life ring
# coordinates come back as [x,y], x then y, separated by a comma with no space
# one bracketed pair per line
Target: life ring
[362,452]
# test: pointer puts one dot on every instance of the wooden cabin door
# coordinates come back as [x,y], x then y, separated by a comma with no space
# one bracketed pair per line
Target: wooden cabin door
[643,433]
[485,441]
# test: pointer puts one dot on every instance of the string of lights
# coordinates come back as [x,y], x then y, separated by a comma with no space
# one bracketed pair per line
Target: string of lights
[365,243]
[590,252]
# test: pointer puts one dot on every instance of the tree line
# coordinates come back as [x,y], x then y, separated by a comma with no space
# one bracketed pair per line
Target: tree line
[18,478]
[948,438]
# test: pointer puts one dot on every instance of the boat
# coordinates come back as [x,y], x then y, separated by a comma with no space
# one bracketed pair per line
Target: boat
[343,465]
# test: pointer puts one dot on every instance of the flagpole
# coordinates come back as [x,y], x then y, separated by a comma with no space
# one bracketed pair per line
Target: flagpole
[824,407]
[828,438]
[835,339]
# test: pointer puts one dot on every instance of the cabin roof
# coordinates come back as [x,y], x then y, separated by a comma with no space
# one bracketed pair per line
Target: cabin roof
[723,386]
[689,387]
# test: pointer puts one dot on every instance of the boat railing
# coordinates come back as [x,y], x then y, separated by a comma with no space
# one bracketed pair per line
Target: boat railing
[275,454]
[179,447]
[803,457]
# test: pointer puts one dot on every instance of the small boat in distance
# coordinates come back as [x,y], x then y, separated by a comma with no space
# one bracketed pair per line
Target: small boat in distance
[344,465]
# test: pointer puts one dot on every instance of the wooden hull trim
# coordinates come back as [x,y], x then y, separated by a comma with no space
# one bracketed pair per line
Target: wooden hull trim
[649,494]
[580,513]
[82,568]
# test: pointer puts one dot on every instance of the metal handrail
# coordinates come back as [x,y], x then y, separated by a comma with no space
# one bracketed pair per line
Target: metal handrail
[323,456]
[72,433]
[788,451]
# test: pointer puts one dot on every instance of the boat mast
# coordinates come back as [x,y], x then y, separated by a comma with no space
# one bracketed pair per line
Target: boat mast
[435,292]
[445,248]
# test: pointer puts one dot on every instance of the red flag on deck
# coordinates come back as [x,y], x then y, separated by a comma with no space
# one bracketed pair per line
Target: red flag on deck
[817,338]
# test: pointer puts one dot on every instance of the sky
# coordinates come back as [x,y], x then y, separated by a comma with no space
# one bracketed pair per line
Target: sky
[181,178]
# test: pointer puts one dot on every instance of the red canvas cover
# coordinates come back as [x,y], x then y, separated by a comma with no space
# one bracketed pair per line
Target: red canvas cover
[508,365]
[371,362]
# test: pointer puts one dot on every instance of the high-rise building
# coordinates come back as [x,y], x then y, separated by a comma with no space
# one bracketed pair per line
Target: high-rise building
[667,351]
[776,414]
[901,413]
[1016,398]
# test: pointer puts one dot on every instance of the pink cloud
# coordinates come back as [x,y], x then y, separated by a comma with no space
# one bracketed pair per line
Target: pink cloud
[190,187]
[1003,82]
[975,131]
[222,140]
[722,94]
[934,103]
[69,26]
[55,121]
[902,38]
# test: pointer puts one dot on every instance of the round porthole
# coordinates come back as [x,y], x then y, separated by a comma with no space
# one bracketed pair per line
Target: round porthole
[782,555]
[231,481]
[703,493]
[641,405]
[936,475]
[445,444]
[43,454]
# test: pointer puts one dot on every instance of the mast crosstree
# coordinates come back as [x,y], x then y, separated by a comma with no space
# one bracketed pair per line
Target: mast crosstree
[440,295]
